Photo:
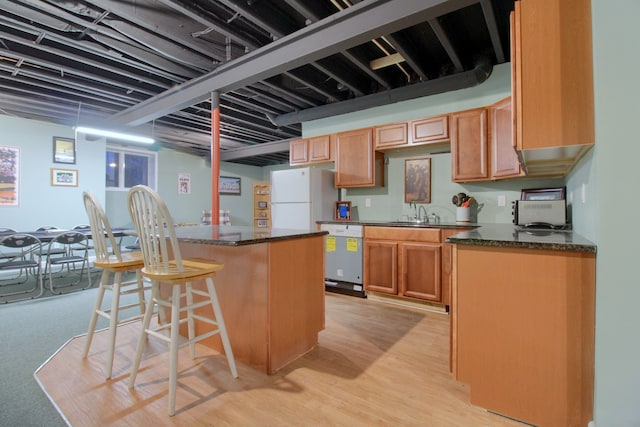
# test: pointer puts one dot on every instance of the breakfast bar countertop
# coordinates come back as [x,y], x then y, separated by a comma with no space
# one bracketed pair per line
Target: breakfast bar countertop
[226,235]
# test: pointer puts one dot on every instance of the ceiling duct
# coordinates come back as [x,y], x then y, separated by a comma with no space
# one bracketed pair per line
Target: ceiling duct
[477,75]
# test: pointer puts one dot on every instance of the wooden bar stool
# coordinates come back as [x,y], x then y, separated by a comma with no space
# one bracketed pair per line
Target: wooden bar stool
[115,263]
[157,237]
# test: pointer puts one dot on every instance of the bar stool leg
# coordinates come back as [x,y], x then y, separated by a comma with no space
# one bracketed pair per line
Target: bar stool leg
[173,348]
[140,287]
[226,344]
[143,334]
[94,316]
[190,322]
[114,313]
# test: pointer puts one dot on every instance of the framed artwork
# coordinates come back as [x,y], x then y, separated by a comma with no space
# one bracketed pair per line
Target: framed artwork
[417,180]
[64,177]
[229,185]
[557,193]
[9,176]
[64,150]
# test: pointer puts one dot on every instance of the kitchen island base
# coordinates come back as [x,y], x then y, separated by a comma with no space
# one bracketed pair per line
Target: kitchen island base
[272,298]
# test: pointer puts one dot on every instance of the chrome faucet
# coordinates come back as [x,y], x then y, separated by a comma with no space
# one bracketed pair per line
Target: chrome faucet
[415,209]
[424,218]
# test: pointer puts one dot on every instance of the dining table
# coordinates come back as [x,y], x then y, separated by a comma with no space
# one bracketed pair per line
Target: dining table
[46,236]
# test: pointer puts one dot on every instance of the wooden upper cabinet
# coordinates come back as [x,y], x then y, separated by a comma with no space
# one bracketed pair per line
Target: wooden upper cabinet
[552,71]
[504,158]
[357,164]
[430,130]
[391,136]
[310,150]
[298,152]
[320,149]
[469,147]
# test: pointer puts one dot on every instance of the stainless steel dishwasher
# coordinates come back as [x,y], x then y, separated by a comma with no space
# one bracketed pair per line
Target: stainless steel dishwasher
[343,259]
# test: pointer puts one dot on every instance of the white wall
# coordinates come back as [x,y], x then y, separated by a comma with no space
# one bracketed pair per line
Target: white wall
[40,203]
[616,63]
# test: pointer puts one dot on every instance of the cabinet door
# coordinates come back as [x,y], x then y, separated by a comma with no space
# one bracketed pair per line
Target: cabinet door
[469,148]
[553,71]
[504,158]
[320,149]
[298,152]
[430,130]
[356,160]
[393,135]
[419,271]
[380,266]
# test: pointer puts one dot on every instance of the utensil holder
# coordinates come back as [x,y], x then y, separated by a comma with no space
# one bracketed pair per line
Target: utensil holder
[463,214]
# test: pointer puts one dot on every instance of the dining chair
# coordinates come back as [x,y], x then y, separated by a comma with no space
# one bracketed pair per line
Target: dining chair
[49,249]
[4,231]
[60,253]
[165,267]
[84,228]
[112,261]
[23,256]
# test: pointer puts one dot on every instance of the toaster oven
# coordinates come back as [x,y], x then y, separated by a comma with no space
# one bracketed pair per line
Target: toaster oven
[540,212]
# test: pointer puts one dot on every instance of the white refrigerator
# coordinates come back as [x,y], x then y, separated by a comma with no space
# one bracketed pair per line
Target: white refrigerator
[300,197]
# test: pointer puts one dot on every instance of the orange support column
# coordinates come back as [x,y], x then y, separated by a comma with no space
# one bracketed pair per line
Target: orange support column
[215,158]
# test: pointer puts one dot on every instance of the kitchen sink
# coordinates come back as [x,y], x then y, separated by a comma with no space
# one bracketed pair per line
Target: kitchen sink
[414,223]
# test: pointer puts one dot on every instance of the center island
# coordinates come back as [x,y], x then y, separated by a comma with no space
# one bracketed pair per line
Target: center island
[271,289]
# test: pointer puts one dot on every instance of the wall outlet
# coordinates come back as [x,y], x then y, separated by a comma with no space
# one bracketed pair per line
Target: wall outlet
[502,200]
[583,193]
[367,203]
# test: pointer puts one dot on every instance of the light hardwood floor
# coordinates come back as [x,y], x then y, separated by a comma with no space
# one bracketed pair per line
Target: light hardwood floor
[375,365]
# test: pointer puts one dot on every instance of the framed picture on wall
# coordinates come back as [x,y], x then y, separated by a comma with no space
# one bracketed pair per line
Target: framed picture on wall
[417,180]
[64,150]
[184,183]
[9,176]
[64,177]
[229,185]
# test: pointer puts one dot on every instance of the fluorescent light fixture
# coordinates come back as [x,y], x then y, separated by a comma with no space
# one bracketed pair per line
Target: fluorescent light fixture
[116,135]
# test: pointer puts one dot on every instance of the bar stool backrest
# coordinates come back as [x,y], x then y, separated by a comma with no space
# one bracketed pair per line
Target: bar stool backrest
[99,224]
[156,231]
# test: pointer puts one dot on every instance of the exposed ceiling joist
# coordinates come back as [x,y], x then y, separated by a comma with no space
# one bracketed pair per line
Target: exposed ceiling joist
[84,61]
[348,28]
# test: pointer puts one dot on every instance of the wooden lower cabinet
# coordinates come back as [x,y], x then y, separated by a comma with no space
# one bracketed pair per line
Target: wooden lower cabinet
[405,262]
[419,271]
[381,266]
[522,332]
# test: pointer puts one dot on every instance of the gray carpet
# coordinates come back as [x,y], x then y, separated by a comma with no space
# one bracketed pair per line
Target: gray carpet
[31,332]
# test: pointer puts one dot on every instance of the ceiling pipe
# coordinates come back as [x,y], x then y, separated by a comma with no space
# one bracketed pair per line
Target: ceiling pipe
[473,77]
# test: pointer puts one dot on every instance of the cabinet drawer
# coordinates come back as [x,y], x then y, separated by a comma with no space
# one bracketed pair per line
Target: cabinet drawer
[430,130]
[393,135]
[432,235]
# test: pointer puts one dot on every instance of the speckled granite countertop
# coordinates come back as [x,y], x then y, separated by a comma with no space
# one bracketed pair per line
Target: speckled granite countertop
[507,235]
[222,235]
[500,235]
[406,224]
